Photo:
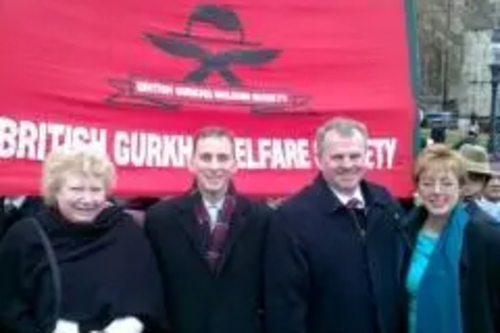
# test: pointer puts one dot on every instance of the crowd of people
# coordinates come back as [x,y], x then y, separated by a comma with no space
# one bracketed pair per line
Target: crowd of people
[339,256]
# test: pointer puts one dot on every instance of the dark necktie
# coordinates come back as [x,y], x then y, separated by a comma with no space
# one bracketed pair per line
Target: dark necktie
[353,206]
[353,203]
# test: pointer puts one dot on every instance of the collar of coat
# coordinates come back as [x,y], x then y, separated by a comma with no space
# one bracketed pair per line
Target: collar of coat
[373,195]
[193,197]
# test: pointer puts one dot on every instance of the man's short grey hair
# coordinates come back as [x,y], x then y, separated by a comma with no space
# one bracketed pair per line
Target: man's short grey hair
[345,127]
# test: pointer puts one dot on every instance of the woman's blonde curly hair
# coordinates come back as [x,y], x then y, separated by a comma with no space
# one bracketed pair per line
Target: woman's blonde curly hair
[440,157]
[82,161]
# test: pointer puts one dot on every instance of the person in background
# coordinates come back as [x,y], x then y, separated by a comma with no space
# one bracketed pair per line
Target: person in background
[472,137]
[490,201]
[452,279]
[473,121]
[108,275]
[334,250]
[477,176]
[15,208]
[209,243]
[438,132]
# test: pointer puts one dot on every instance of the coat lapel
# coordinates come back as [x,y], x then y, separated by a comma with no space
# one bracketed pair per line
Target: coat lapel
[327,202]
[238,222]
[189,224]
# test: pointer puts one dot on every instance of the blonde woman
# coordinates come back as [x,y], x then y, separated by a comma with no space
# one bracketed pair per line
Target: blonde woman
[105,276]
[453,272]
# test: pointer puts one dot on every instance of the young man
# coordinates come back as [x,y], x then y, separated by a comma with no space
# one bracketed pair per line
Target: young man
[209,244]
[334,250]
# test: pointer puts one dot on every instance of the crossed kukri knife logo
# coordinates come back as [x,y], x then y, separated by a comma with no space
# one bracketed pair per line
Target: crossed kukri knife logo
[191,45]
[213,62]
[186,45]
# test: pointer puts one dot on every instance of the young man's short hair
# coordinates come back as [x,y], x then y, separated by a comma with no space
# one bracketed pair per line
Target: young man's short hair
[212,132]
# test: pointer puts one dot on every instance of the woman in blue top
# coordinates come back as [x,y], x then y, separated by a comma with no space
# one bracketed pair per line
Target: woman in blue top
[452,273]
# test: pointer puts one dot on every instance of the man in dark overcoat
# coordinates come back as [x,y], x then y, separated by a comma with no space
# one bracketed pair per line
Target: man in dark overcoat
[209,243]
[334,251]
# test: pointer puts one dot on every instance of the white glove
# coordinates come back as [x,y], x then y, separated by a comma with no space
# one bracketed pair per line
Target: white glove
[125,325]
[66,326]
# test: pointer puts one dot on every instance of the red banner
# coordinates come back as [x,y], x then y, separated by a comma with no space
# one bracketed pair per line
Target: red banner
[138,78]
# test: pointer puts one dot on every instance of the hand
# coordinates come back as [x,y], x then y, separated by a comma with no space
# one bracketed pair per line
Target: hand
[125,325]
[66,326]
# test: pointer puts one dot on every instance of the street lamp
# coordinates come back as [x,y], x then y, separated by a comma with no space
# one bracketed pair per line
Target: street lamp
[494,140]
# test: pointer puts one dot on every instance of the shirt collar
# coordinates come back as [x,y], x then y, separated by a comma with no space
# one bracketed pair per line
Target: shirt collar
[344,199]
[218,205]
[14,201]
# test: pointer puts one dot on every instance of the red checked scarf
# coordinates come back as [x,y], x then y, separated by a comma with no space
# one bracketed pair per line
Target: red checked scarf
[213,239]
